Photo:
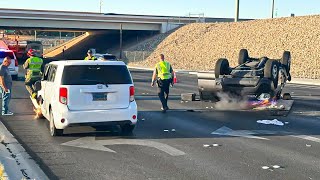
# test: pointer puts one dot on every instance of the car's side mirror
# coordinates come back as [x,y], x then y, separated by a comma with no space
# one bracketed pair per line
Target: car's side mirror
[37,86]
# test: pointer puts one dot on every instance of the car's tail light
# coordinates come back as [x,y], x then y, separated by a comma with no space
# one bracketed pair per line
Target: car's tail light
[63,95]
[131,93]
[16,62]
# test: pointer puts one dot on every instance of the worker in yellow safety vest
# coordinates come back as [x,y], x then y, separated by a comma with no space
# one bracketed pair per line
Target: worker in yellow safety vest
[163,75]
[33,65]
[90,56]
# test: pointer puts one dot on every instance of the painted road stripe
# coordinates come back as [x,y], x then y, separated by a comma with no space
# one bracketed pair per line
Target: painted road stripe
[305,137]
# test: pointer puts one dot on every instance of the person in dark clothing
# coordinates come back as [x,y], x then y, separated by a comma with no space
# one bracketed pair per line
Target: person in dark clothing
[163,75]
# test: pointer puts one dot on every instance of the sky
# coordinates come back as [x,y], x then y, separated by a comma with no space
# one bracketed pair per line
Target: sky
[255,9]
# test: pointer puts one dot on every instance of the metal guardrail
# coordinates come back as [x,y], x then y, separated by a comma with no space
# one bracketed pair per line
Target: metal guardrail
[136,56]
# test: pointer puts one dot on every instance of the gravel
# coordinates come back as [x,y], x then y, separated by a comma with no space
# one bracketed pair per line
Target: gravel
[197,46]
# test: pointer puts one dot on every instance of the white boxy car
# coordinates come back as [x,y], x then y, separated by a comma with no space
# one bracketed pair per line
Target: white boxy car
[87,93]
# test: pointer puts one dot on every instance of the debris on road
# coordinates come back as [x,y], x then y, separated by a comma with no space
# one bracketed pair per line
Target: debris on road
[276,166]
[211,145]
[273,122]
[166,130]
[143,119]
[173,130]
[271,168]
[308,145]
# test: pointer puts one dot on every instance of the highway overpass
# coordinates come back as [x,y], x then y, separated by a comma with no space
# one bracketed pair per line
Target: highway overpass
[86,21]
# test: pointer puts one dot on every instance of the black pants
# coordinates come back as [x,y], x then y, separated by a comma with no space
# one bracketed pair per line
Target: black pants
[163,92]
[29,82]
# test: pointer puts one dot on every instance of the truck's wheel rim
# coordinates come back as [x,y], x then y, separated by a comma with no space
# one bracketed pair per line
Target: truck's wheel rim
[274,71]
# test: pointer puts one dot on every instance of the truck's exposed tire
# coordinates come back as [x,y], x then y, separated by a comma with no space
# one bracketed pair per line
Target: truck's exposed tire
[222,67]
[271,71]
[243,56]
[286,60]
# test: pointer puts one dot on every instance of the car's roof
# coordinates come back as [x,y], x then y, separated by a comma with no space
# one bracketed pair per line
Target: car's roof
[104,54]
[84,62]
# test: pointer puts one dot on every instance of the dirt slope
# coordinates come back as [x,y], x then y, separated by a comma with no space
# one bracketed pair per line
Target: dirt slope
[198,46]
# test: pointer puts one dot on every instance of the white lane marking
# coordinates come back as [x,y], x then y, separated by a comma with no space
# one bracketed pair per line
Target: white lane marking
[91,143]
[225,131]
[309,138]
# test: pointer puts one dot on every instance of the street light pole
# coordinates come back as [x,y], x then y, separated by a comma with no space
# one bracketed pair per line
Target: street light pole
[120,54]
[237,11]
[272,9]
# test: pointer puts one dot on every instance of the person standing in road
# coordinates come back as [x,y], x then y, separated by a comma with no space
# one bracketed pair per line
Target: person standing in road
[163,75]
[90,56]
[6,85]
[33,65]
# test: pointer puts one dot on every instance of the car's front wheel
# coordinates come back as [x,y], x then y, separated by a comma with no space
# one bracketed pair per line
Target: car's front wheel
[53,130]
[14,77]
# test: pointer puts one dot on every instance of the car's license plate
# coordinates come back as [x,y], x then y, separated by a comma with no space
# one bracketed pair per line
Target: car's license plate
[100,96]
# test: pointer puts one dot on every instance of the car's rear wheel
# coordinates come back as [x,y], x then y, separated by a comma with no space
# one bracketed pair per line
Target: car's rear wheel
[127,128]
[222,67]
[243,56]
[271,71]
[286,60]
[53,130]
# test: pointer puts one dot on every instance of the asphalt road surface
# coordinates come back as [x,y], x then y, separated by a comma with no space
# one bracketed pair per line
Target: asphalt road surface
[175,145]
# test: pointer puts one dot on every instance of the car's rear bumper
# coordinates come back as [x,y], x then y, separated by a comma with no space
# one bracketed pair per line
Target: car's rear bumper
[96,117]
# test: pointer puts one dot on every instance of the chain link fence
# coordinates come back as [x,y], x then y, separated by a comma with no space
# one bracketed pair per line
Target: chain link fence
[135,56]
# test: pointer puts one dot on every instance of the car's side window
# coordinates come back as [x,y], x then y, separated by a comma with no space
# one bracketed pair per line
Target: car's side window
[52,73]
[46,73]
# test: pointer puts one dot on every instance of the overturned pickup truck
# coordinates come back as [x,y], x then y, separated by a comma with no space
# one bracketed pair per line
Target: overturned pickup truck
[253,76]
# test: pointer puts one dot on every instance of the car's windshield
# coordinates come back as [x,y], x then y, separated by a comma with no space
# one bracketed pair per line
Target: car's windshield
[109,57]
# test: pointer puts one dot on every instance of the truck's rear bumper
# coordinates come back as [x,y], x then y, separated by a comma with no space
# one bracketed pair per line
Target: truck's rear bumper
[239,86]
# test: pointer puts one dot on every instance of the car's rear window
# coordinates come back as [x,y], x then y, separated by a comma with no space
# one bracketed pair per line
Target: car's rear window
[96,74]
[109,57]
[5,54]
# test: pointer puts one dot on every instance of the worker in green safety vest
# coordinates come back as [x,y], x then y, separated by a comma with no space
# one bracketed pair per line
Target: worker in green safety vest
[90,56]
[163,75]
[33,65]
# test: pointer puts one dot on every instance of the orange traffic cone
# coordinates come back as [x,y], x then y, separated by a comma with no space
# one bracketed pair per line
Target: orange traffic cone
[175,80]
